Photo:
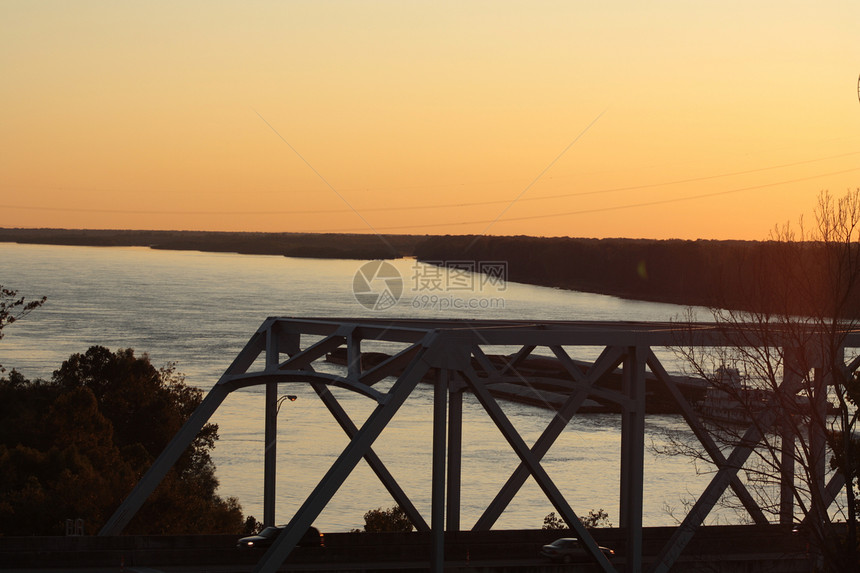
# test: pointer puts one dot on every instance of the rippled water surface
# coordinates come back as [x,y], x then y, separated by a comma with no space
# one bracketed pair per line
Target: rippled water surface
[199,309]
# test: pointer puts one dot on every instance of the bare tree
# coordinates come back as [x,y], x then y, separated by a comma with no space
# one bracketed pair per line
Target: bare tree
[13,307]
[595,518]
[780,385]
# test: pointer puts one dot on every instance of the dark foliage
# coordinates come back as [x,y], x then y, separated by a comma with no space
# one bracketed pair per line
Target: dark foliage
[73,447]
[595,518]
[787,381]
[313,245]
[391,519]
[702,272]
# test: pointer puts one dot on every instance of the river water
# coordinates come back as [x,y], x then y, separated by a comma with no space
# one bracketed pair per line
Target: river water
[199,309]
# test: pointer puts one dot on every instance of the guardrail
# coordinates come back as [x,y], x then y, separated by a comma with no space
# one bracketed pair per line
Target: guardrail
[769,545]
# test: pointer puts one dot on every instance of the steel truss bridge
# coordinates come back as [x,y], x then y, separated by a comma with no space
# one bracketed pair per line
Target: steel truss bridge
[454,355]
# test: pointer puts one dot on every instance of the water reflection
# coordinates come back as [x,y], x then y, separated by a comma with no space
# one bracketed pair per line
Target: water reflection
[199,309]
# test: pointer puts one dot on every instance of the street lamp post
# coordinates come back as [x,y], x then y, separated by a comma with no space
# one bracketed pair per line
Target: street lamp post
[273,407]
[283,399]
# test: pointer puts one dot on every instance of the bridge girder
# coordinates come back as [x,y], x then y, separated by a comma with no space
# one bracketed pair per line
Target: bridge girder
[452,352]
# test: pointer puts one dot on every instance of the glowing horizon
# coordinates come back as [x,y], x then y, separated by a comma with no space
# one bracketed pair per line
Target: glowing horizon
[665,120]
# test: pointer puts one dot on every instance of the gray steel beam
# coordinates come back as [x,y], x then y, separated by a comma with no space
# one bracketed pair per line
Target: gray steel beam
[557,332]
[455,454]
[851,366]
[792,373]
[270,454]
[445,345]
[786,474]
[834,487]
[437,497]
[562,386]
[304,376]
[484,362]
[716,455]
[346,462]
[633,455]
[706,501]
[353,354]
[837,481]
[569,366]
[249,352]
[302,358]
[397,330]
[538,473]
[818,436]
[389,367]
[607,361]
[371,458]
[522,354]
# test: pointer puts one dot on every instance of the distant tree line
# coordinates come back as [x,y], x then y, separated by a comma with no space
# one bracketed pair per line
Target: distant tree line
[74,446]
[743,275]
[310,245]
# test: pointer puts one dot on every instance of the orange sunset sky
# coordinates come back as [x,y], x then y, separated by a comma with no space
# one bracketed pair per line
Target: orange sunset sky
[592,119]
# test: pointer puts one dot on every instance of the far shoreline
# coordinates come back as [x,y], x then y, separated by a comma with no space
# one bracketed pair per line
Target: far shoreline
[706,273]
[304,245]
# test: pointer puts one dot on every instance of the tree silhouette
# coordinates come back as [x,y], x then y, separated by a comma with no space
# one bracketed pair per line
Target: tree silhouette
[391,519]
[14,307]
[73,447]
[784,361]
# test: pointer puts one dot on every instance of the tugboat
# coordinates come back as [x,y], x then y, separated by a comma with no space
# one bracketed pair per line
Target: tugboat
[728,400]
